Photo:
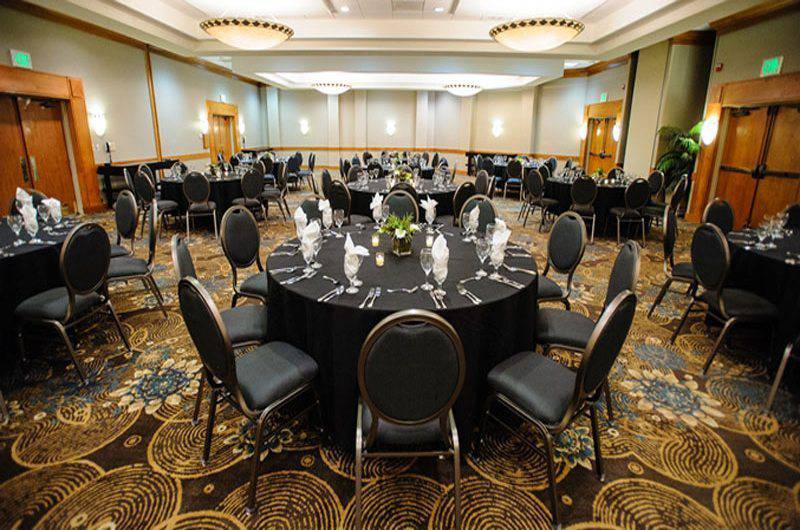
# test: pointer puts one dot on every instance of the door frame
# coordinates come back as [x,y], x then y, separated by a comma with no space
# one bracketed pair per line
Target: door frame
[217,108]
[32,83]
[606,109]
[759,92]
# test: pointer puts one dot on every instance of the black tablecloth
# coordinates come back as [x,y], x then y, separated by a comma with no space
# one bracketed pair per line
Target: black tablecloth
[362,198]
[765,272]
[607,197]
[333,332]
[223,192]
[25,271]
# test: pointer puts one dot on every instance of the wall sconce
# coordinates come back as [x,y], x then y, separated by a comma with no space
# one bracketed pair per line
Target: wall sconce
[708,132]
[584,130]
[497,128]
[241,126]
[391,127]
[616,132]
[304,127]
[98,123]
[204,131]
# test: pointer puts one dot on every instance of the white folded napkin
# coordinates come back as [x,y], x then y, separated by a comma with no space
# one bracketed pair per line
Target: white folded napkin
[499,241]
[352,257]
[376,206]
[54,208]
[474,217]
[430,209]
[324,206]
[24,197]
[300,221]
[28,213]
[308,238]
[441,256]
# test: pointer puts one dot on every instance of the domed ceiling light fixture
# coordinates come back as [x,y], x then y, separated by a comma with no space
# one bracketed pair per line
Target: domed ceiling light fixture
[247,33]
[536,34]
[331,89]
[463,90]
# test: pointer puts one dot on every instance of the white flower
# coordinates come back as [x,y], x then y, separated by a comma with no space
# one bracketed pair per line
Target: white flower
[414,227]
[400,233]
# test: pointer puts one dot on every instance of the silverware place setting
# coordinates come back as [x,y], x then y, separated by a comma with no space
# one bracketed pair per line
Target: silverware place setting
[435,300]
[330,295]
[334,281]
[507,281]
[469,295]
[285,253]
[519,269]
[375,296]
[295,279]
[287,269]
[404,290]
[370,294]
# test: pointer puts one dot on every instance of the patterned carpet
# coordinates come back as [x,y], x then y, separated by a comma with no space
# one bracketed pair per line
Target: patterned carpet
[684,451]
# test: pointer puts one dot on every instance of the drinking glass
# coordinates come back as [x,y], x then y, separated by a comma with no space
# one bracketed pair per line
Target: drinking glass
[465,227]
[489,233]
[430,217]
[44,215]
[15,223]
[440,276]
[32,230]
[338,219]
[386,211]
[426,261]
[308,257]
[497,259]
[352,275]
[317,247]
[482,247]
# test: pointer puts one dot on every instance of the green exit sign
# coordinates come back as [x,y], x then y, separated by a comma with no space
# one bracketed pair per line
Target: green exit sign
[771,66]
[21,59]
[603,97]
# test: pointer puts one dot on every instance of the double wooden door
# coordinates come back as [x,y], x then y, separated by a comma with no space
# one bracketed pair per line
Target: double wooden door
[222,129]
[759,172]
[602,146]
[33,150]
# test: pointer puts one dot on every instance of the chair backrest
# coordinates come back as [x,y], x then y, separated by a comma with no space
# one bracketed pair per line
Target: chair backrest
[478,163]
[327,181]
[312,161]
[346,165]
[340,197]
[583,191]
[624,272]
[375,165]
[311,208]
[182,261]
[280,176]
[196,187]
[637,194]
[365,156]
[792,217]
[568,164]
[355,161]
[405,186]
[679,193]
[482,182]
[294,163]
[488,166]
[551,164]
[252,184]
[488,212]
[147,171]
[656,182]
[402,203]
[126,215]
[208,332]
[240,238]
[268,165]
[604,346]
[128,180]
[426,157]
[566,243]
[152,233]
[544,171]
[179,168]
[616,173]
[84,259]
[353,173]
[719,213]
[464,191]
[144,187]
[411,369]
[514,169]
[670,224]
[711,257]
[534,183]
[435,160]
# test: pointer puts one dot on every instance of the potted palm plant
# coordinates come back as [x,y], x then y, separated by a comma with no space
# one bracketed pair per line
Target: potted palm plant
[681,149]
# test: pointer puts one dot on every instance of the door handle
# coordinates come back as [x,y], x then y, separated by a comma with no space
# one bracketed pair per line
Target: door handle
[35,169]
[24,165]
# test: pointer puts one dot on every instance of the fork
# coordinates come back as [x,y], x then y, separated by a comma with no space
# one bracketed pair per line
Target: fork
[467,294]
[435,300]
[375,297]
[441,299]
[404,290]
[518,269]
[370,294]
[334,281]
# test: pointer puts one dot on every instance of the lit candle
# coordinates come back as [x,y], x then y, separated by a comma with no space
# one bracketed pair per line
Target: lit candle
[379,259]
[429,240]
[376,239]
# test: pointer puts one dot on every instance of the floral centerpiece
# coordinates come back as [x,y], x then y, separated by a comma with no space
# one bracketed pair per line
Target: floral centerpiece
[403,174]
[402,231]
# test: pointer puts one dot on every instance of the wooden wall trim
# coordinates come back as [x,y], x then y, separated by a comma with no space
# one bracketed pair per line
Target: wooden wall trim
[151,90]
[754,15]
[596,68]
[461,152]
[694,38]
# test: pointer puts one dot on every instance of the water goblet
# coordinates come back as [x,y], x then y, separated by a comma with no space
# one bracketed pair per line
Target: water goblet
[308,257]
[15,223]
[352,273]
[32,230]
[440,275]
[338,219]
[317,247]
[482,248]
[497,259]
[465,227]
[426,261]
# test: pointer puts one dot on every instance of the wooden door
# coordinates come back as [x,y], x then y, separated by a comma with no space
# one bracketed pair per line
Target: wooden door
[744,142]
[13,163]
[779,182]
[223,136]
[46,146]
[596,139]
[609,146]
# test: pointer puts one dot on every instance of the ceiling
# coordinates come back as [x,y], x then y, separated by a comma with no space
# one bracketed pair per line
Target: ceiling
[375,38]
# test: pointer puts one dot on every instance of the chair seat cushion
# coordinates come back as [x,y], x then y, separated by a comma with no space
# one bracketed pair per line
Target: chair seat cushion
[272,371]
[390,435]
[513,180]
[255,285]
[271,193]
[683,270]
[541,386]
[246,323]
[247,203]
[554,326]
[305,173]
[547,202]
[127,266]
[654,210]
[202,207]
[741,303]
[625,213]
[363,219]
[548,289]
[52,305]
[119,251]
[583,209]
[166,205]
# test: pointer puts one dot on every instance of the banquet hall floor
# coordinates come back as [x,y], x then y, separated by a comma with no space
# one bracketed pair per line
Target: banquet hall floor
[683,450]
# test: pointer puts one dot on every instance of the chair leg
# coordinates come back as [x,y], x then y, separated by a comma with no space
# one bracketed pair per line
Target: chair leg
[20,342]
[594,221]
[234,299]
[4,415]
[216,231]
[598,457]
[157,293]
[660,296]
[63,332]
[681,323]
[775,384]
[618,228]
[644,239]
[607,392]
[722,334]
[187,227]
[251,502]
[359,466]
[198,399]
[551,474]
[121,331]
[487,405]
[212,411]
[457,478]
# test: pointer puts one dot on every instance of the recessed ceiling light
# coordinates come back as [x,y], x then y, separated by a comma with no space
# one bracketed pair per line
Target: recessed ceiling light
[344,9]
[439,9]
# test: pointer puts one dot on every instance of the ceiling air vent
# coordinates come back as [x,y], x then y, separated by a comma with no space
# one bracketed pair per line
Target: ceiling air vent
[408,5]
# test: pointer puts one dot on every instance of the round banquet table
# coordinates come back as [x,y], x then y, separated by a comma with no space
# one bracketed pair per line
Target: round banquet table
[223,191]
[768,274]
[608,196]
[333,332]
[362,197]
[25,270]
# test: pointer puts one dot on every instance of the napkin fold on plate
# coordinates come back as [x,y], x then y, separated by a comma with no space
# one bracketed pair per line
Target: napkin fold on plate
[300,221]
[474,217]
[353,254]
[308,238]
[441,256]
[376,206]
[430,209]
[24,197]
[28,213]
[324,206]
[54,208]
[499,242]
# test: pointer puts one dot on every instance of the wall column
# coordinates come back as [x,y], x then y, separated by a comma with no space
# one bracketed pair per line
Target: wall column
[421,129]
[360,133]
[465,114]
[332,158]
[273,118]
[528,115]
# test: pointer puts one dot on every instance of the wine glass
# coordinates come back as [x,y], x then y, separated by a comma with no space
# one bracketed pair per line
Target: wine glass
[317,247]
[327,221]
[440,275]
[338,219]
[44,215]
[32,229]
[497,259]
[426,261]
[308,256]
[352,272]
[465,227]
[482,247]
[430,217]
[15,223]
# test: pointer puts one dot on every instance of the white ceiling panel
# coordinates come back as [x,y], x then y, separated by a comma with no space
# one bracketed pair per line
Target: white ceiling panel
[395,81]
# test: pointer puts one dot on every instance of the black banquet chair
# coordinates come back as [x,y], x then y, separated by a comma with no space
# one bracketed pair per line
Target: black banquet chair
[84,260]
[514,172]
[410,373]
[792,217]
[241,244]
[463,192]
[257,384]
[681,272]
[791,351]
[486,216]
[482,183]
[534,183]
[146,191]
[583,193]
[277,194]
[197,190]
[340,200]
[711,260]
[565,247]
[126,217]
[130,268]
[252,186]
[402,203]
[720,214]
[636,196]
[550,397]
